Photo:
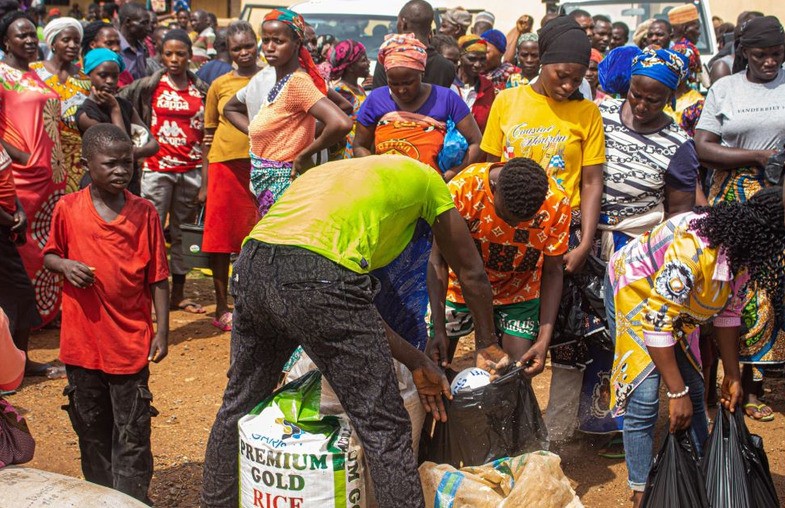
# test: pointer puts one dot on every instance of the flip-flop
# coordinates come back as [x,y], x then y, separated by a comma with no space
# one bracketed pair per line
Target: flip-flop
[615,442]
[224,323]
[189,306]
[757,408]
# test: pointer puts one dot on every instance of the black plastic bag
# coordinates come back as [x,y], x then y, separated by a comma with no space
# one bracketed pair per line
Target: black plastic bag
[581,319]
[499,420]
[675,479]
[736,466]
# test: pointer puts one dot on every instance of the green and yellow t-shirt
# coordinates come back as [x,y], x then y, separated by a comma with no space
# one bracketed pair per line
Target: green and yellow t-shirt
[360,213]
[562,137]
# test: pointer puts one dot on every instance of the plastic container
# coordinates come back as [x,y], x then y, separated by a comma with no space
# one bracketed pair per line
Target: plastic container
[192,235]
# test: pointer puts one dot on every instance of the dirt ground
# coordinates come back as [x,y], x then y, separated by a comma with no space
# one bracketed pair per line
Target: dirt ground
[187,388]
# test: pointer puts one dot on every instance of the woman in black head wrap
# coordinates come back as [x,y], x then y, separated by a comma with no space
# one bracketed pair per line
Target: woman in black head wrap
[550,122]
[741,127]
[760,49]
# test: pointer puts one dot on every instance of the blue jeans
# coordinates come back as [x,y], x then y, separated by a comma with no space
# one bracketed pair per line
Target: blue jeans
[643,407]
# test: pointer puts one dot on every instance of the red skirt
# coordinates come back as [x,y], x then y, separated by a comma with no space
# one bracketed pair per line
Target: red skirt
[230,211]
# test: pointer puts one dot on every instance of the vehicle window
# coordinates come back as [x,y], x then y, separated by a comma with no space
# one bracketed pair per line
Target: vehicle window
[368,30]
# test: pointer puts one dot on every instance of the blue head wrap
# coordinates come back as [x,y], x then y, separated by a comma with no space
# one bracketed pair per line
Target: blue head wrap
[496,38]
[614,70]
[664,65]
[97,56]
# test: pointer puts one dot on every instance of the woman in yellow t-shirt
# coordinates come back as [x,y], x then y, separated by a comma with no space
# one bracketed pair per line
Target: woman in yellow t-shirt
[550,122]
[226,169]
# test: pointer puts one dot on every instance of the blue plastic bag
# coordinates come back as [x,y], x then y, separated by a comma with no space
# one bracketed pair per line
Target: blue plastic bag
[454,148]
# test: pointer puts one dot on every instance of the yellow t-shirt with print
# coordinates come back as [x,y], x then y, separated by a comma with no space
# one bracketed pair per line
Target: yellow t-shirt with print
[562,137]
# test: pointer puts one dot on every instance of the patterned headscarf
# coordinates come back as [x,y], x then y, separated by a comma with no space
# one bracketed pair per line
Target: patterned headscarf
[344,55]
[297,24]
[664,65]
[693,57]
[56,27]
[402,50]
[288,17]
[527,37]
[614,70]
[472,44]
[595,56]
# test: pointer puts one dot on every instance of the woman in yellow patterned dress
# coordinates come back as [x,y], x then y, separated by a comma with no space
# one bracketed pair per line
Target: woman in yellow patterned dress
[660,287]
[64,36]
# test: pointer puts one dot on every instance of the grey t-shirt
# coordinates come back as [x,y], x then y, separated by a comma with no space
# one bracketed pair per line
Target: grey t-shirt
[255,92]
[744,114]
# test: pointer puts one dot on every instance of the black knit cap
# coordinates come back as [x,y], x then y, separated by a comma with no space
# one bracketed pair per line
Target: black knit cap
[563,40]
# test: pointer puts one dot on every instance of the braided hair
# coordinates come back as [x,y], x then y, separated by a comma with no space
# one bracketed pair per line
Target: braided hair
[6,22]
[523,185]
[752,235]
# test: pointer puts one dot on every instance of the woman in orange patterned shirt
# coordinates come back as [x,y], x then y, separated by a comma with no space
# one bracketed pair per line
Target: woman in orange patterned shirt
[282,133]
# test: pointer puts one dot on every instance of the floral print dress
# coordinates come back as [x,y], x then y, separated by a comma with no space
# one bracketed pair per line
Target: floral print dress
[72,94]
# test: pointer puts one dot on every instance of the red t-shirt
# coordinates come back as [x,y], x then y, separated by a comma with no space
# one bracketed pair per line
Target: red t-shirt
[178,125]
[108,326]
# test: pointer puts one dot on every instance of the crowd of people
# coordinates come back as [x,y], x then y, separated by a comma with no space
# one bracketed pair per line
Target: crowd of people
[471,183]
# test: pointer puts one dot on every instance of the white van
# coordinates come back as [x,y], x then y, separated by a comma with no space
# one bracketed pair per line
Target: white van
[634,13]
[369,21]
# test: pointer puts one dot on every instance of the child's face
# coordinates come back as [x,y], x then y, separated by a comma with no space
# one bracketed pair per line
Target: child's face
[111,167]
[104,77]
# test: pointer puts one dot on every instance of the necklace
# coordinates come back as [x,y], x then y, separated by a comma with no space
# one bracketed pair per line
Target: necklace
[278,87]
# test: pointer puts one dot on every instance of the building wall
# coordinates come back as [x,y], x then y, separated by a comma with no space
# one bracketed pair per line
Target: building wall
[729,10]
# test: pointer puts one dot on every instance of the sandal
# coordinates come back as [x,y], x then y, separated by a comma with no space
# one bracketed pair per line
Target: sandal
[224,323]
[758,408]
[46,370]
[188,306]
[614,449]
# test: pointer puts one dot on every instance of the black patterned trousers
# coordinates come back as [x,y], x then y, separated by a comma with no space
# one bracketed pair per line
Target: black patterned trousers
[288,296]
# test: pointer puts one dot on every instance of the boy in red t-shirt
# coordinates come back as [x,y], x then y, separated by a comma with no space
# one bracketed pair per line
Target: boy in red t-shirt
[109,246]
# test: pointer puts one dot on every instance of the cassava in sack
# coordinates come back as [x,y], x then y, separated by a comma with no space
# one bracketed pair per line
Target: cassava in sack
[293,456]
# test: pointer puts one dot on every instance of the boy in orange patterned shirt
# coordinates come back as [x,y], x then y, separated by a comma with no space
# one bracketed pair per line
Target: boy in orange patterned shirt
[520,221]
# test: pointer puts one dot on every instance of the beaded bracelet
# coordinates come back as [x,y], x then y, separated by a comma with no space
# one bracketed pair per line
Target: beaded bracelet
[678,395]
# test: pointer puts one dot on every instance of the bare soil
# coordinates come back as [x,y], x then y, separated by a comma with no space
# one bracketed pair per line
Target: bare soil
[188,385]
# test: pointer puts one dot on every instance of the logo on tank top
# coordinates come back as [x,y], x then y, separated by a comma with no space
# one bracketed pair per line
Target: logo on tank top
[171,134]
[171,101]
